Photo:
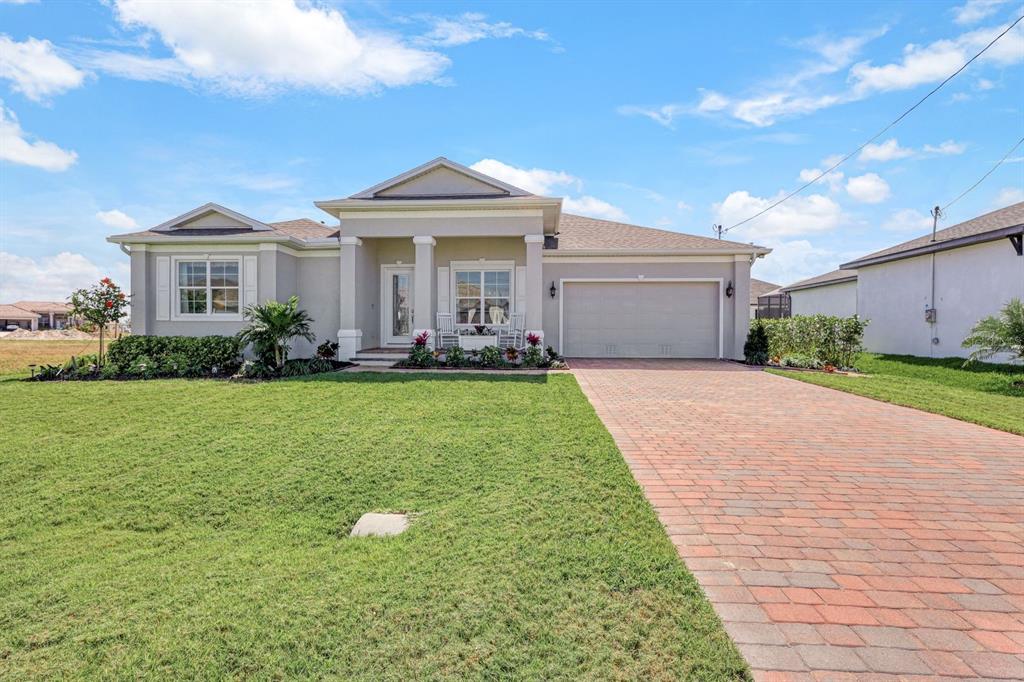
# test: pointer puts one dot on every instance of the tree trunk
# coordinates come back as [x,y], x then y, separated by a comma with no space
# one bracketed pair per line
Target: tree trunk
[99,359]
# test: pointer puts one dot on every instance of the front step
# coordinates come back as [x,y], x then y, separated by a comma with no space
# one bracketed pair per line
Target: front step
[380,357]
[375,363]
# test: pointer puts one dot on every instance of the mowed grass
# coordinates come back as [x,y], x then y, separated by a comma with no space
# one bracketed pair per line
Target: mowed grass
[982,393]
[16,355]
[198,529]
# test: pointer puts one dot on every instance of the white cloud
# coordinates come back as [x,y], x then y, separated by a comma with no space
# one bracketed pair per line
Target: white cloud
[471,27]
[974,11]
[665,115]
[908,220]
[14,146]
[593,207]
[869,188]
[51,278]
[833,180]
[984,84]
[794,260]
[800,215]
[886,151]
[116,218]
[683,206]
[1007,196]
[255,49]
[947,148]
[35,70]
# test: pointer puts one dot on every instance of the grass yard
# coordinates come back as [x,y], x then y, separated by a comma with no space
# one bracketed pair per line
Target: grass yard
[982,393]
[197,529]
[17,355]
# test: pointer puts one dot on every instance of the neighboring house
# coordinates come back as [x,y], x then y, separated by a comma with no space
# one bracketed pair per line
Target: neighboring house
[773,305]
[834,293]
[52,314]
[758,288]
[11,316]
[922,297]
[443,238]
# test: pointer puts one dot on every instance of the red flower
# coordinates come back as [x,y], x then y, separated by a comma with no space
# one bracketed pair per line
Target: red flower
[106,280]
[533,339]
[121,296]
[110,304]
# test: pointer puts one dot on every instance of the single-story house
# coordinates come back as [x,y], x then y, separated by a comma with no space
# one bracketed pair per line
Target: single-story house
[439,240]
[834,293]
[758,288]
[52,314]
[922,297]
[11,316]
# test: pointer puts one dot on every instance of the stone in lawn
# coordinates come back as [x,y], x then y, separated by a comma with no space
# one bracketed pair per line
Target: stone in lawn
[379,524]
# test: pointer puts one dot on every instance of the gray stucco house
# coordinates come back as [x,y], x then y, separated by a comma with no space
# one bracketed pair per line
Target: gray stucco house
[443,238]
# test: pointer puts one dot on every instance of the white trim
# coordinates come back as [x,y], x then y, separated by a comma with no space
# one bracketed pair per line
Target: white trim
[554,258]
[434,164]
[210,207]
[250,281]
[480,265]
[424,240]
[348,240]
[163,288]
[533,238]
[320,252]
[642,279]
[386,270]
[420,212]
[178,316]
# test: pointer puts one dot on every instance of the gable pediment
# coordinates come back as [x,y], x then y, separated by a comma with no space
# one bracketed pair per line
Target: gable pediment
[212,217]
[441,179]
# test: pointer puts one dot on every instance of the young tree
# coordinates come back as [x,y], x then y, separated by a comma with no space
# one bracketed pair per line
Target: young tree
[273,325]
[1002,333]
[101,304]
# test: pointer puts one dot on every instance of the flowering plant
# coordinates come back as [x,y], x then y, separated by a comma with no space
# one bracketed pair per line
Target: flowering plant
[422,338]
[512,354]
[100,305]
[533,339]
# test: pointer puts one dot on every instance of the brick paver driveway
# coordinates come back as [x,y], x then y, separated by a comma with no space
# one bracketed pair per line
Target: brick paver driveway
[837,536]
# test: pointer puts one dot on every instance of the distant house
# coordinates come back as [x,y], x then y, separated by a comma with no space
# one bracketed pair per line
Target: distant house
[758,288]
[834,293]
[923,296]
[50,314]
[13,317]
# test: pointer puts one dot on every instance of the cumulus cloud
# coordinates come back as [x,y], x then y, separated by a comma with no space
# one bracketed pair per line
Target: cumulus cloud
[799,216]
[869,188]
[793,260]
[15,146]
[116,218]
[1007,196]
[908,220]
[35,69]
[593,207]
[947,148]
[889,150]
[834,180]
[255,49]
[51,278]
[974,11]
[471,27]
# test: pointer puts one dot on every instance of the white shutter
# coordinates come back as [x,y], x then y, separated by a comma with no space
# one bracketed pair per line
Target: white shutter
[163,287]
[520,305]
[443,287]
[249,281]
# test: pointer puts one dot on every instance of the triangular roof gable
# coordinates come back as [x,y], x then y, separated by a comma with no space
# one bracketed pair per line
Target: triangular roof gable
[205,217]
[441,178]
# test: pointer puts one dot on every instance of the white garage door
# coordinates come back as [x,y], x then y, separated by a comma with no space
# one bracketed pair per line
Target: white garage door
[640,319]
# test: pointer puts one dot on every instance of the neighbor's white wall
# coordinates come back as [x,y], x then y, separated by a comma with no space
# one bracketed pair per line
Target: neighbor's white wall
[834,299]
[970,283]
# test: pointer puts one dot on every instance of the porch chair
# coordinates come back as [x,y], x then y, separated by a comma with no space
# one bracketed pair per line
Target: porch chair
[513,335]
[447,334]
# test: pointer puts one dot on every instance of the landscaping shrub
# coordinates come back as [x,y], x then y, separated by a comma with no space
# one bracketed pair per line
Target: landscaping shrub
[534,357]
[271,326]
[755,350]
[1002,333]
[176,356]
[490,356]
[327,350]
[801,361]
[455,357]
[420,355]
[829,339]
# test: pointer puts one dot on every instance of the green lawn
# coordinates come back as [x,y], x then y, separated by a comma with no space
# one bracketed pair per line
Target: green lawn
[982,393]
[198,529]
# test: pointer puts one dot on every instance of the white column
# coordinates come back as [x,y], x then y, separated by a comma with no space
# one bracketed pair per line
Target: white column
[423,286]
[350,337]
[534,285]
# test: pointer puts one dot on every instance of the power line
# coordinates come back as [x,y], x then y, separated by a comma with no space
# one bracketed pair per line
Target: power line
[982,178]
[878,134]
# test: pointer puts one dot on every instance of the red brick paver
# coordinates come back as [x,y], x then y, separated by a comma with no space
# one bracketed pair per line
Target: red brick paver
[838,537]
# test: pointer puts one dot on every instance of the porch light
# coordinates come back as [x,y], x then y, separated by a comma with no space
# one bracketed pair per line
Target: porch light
[553,290]
[729,290]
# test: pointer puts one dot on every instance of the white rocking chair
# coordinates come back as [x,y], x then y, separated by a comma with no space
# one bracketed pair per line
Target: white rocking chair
[447,334]
[513,336]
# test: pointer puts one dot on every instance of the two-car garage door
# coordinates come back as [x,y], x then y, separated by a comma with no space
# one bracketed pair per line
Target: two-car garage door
[640,319]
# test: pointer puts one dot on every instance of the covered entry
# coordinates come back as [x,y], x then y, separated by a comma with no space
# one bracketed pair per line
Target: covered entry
[641,318]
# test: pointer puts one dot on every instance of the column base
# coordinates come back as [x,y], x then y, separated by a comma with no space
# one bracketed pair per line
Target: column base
[350,341]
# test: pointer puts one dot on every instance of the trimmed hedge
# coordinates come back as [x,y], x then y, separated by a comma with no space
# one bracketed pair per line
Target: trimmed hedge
[832,340]
[181,356]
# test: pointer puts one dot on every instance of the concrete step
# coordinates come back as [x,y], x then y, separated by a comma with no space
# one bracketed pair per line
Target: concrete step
[375,363]
[372,355]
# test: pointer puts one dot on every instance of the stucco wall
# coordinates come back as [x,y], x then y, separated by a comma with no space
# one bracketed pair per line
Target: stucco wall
[833,299]
[735,321]
[317,288]
[970,283]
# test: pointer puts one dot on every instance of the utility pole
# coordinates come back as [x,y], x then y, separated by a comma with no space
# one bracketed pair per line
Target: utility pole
[717,229]
[936,214]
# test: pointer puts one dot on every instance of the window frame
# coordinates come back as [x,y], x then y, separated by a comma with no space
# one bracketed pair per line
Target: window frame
[209,315]
[481,267]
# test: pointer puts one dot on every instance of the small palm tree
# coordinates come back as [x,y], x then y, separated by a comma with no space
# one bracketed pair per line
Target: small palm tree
[273,325]
[1002,333]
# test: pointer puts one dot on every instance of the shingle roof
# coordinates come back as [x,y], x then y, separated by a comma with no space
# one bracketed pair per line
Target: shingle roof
[759,287]
[44,306]
[1001,219]
[13,312]
[302,228]
[833,277]
[579,233]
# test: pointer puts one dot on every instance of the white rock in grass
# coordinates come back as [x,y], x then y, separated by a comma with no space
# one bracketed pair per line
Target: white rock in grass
[379,524]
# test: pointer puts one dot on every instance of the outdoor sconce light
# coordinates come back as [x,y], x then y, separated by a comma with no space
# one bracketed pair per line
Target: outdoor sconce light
[553,290]
[729,290]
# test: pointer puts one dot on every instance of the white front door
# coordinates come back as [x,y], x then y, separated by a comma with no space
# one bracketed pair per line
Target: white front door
[396,304]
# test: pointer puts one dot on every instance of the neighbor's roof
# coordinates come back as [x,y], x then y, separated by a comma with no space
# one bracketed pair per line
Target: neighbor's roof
[44,306]
[580,234]
[989,227]
[302,228]
[13,312]
[759,287]
[834,277]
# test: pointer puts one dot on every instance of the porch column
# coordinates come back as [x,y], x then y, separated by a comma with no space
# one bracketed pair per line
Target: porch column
[349,336]
[534,285]
[423,285]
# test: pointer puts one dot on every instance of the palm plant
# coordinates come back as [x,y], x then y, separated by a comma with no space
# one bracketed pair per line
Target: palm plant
[1002,333]
[273,325]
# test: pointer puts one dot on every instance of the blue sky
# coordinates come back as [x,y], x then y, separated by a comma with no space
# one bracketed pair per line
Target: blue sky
[123,114]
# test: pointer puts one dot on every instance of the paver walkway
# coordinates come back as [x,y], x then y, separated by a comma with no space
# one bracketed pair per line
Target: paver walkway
[838,537]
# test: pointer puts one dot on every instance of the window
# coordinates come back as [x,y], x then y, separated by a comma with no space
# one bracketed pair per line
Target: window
[208,287]
[483,296]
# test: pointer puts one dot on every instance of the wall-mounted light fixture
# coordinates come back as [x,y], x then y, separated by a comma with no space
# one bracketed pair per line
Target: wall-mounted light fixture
[552,290]
[729,290]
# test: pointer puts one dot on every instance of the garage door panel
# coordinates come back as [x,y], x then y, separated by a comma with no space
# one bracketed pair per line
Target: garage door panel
[641,319]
